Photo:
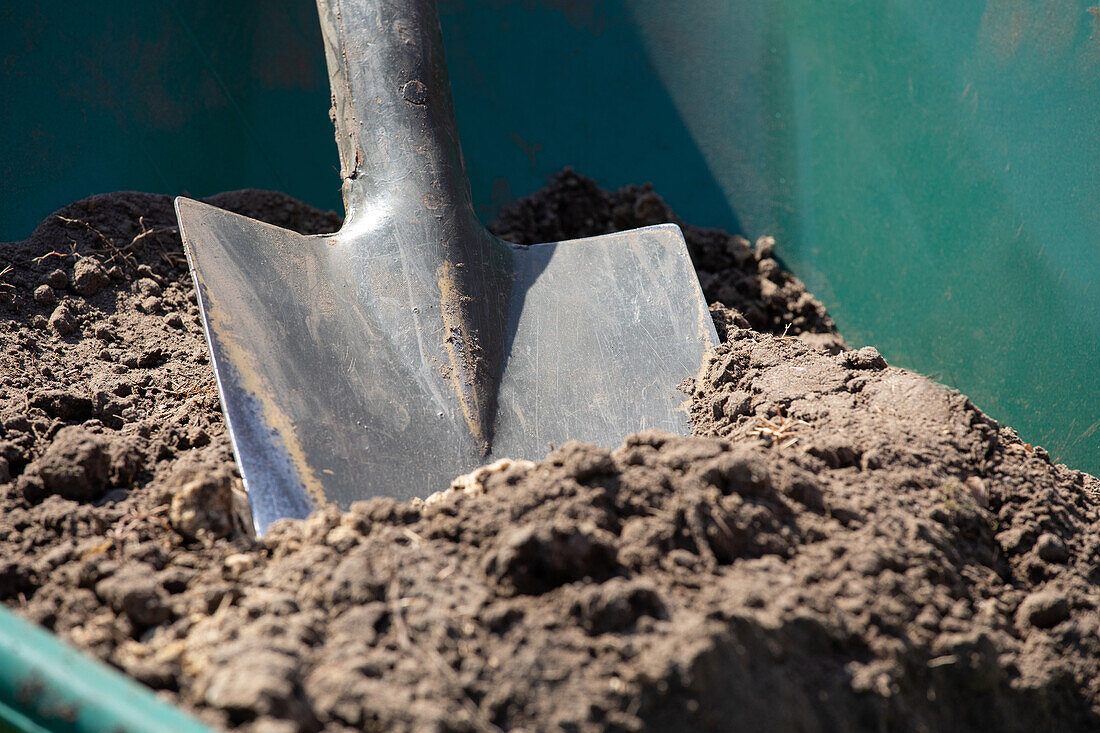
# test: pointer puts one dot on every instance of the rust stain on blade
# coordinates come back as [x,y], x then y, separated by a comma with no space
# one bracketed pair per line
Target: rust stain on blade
[460,344]
[251,380]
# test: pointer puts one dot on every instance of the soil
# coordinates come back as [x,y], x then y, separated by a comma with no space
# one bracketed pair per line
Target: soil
[843,545]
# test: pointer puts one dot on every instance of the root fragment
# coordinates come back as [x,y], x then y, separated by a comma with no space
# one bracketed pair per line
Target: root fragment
[784,431]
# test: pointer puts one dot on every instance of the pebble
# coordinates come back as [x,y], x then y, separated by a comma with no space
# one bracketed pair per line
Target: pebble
[978,491]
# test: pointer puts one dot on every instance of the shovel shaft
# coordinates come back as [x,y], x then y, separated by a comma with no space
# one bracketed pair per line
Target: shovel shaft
[392,107]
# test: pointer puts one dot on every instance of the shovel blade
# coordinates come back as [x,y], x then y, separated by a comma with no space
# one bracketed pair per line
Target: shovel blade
[604,331]
[331,358]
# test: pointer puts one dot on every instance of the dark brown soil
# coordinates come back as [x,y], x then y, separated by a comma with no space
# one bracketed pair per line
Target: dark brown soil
[844,545]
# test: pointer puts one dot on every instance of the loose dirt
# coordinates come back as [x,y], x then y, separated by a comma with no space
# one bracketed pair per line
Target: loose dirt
[843,545]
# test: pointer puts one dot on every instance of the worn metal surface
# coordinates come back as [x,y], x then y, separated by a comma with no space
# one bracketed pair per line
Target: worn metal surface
[48,686]
[413,345]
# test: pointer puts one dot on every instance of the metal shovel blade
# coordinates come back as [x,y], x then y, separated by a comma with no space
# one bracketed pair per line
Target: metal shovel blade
[413,345]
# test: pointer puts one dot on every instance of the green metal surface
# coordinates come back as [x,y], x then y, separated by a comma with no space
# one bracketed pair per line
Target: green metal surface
[930,169]
[46,685]
[932,172]
[168,96]
[13,721]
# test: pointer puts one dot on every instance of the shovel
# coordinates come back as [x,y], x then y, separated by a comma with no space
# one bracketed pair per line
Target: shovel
[413,345]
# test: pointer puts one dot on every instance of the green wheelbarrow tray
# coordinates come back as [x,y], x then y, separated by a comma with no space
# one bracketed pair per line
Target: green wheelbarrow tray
[47,686]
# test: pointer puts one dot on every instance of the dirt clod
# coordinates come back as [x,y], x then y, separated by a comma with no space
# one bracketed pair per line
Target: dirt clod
[89,277]
[534,558]
[1050,547]
[617,605]
[202,501]
[63,320]
[44,295]
[134,591]
[57,279]
[1044,609]
[76,465]
[255,682]
[63,403]
[865,358]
